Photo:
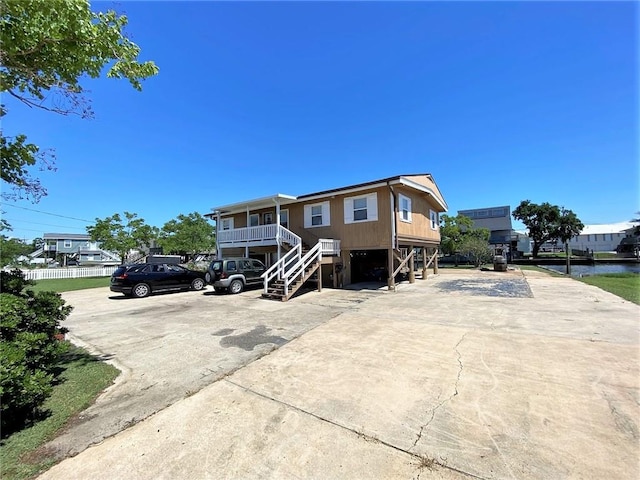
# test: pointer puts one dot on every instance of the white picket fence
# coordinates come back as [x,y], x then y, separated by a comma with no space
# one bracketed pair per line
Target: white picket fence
[75,272]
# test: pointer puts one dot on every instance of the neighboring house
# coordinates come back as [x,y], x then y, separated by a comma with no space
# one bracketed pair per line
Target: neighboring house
[72,248]
[601,238]
[498,221]
[356,233]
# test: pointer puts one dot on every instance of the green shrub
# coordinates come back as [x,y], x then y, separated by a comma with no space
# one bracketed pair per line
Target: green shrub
[29,348]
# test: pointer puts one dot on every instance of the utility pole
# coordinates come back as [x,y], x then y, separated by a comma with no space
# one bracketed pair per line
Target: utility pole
[568,251]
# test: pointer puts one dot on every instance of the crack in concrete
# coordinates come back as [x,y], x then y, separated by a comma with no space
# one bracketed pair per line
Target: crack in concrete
[362,435]
[449,398]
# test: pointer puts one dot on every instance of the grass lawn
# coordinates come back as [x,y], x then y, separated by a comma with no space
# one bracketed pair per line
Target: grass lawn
[69,284]
[83,378]
[625,285]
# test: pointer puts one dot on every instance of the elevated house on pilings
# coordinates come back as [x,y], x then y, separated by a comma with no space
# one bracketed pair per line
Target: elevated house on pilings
[374,231]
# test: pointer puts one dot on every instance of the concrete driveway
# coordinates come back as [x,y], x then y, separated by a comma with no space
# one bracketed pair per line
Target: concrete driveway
[465,375]
[170,346]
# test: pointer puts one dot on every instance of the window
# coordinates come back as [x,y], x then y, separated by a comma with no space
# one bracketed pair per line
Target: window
[67,244]
[361,209]
[227,224]
[284,218]
[267,218]
[434,219]
[317,215]
[254,220]
[231,266]
[405,208]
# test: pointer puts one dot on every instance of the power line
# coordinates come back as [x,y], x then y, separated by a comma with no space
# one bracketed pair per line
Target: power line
[13,220]
[46,213]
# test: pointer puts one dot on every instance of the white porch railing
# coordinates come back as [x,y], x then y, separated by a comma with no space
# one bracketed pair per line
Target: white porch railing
[55,273]
[259,233]
[330,247]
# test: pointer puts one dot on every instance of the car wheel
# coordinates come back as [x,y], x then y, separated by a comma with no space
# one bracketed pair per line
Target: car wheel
[236,286]
[141,290]
[207,277]
[197,284]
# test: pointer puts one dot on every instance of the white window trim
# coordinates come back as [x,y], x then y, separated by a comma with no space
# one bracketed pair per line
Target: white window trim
[267,218]
[433,219]
[67,243]
[284,212]
[326,216]
[228,221]
[253,216]
[402,197]
[372,208]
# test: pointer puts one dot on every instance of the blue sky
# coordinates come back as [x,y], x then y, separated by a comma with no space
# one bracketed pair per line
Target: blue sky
[499,101]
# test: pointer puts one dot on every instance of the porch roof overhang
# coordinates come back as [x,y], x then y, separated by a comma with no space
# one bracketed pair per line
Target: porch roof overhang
[255,204]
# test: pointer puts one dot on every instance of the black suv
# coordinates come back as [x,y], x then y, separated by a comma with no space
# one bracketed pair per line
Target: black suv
[142,279]
[234,274]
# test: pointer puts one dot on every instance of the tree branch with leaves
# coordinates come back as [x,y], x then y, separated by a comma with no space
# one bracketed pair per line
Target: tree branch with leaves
[122,235]
[46,47]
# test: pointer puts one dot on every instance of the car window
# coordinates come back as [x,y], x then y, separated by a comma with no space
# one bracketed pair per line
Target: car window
[246,264]
[257,264]
[231,265]
[143,269]
[175,268]
[216,266]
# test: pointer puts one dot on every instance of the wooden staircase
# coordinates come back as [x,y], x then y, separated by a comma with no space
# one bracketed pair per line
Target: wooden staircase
[276,290]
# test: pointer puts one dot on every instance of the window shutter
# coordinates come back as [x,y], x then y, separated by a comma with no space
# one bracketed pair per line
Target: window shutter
[326,215]
[372,206]
[348,210]
[307,216]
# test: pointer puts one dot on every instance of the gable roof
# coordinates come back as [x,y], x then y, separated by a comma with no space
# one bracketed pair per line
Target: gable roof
[66,236]
[410,181]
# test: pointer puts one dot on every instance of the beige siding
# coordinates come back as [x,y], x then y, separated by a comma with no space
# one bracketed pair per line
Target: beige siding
[354,236]
[420,225]
[429,183]
[364,235]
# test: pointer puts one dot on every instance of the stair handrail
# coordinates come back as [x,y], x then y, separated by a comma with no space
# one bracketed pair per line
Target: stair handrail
[278,269]
[288,236]
[315,254]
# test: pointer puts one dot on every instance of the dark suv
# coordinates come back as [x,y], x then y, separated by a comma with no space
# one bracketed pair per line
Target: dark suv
[234,274]
[142,279]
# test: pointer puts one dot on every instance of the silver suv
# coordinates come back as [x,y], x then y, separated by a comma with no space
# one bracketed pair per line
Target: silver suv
[234,274]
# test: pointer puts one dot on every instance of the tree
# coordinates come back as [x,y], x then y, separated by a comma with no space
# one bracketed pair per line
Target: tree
[452,230]
[188,234]
[11,249]
[119,236]
[29,349]
[476,248]
[547,222]
[47,46]
[459,236]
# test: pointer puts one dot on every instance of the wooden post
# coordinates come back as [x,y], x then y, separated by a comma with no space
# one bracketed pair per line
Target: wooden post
[319,277]
[435,260]
[424,263]
[391,282]
[412,271]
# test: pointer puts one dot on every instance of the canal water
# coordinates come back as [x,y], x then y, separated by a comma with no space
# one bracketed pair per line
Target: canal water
[578,270]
